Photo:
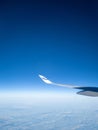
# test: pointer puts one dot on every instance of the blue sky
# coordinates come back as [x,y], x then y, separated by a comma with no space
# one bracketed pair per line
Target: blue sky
[55,38]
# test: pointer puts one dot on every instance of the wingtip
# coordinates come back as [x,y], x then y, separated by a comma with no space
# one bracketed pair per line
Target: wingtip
[43,78]
[39,75]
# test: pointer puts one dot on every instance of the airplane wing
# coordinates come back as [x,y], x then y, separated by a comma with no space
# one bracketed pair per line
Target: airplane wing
[86,91]
[43,78]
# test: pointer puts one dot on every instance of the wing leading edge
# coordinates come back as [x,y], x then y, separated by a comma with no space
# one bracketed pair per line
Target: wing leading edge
[86,91]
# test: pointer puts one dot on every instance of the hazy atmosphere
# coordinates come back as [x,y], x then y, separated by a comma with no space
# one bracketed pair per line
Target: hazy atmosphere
[57,39]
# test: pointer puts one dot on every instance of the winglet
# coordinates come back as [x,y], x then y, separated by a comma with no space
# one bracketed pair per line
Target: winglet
[45,79]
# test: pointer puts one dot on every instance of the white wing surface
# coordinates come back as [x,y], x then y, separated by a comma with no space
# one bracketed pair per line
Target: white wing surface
[86,91]
[43,78]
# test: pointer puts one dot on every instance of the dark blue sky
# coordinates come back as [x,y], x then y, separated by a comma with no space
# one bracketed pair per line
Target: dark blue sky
[58,39]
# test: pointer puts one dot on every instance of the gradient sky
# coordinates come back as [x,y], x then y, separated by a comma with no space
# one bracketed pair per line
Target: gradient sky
[55,38]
